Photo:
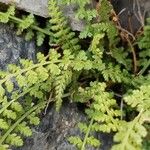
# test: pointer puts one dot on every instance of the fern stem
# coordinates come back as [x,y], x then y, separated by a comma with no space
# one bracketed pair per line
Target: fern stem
[130,129]
[9,103]
[144,68]
[87,134]
[34,27]
[133,54]
[19,121]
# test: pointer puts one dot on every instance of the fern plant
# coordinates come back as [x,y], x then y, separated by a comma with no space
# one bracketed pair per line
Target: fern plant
[85,74]
[131,133]
[18,110]
[103,114]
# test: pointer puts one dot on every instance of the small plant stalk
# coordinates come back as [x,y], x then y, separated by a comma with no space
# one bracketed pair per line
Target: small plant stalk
[87,134]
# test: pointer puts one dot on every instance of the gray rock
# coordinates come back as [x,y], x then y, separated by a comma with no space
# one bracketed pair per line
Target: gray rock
[55,128]
[13,47]
[39,7]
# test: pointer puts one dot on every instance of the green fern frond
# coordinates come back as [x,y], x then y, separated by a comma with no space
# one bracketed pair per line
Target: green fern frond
[102,112]
[60,85]
[105,10]
[144,46]
[140,98]
[83,12]
[113,73]
[4,17]
[131,134]
[14,139]
[24,129]
[61,32]
[25,24]
[75,141]
[12,109]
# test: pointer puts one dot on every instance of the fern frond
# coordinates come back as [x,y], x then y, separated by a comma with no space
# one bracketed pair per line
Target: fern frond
[27,24]
[140,98]
[75,141]
[60,85]
[113,73]
[102,112]
[144,46]
[105,10]
[69,68]
[83,12]
[131,133]
[4,17]
[24,129]
[16,117]
[62,33]
[12,138]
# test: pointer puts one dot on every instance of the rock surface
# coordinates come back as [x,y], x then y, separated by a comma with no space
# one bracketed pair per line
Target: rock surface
[39,7]
[13,47]
[55,128]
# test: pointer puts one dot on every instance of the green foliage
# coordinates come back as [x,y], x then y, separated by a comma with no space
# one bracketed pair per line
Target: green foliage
[4,17]
[88,74]
[88,140]
[26,24]
[144,45]
[131,133]
[102,112]
[83,12]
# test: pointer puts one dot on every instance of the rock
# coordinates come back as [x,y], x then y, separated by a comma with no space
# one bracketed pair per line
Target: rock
[13,48]
[39,7]
[55,128]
